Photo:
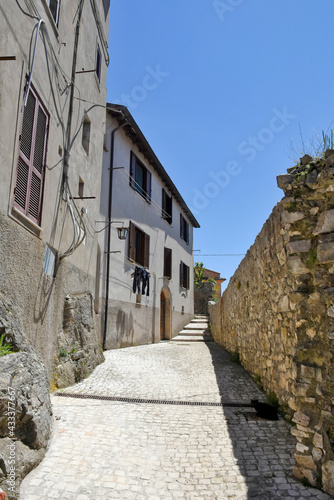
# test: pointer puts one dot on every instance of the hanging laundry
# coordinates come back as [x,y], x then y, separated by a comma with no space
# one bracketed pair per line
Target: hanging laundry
[141,281]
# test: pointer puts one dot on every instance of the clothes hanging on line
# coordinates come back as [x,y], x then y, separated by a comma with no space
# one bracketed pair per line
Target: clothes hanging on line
[141,281]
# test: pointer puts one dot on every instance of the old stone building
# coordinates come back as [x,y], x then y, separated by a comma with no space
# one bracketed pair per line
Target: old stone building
[54,58]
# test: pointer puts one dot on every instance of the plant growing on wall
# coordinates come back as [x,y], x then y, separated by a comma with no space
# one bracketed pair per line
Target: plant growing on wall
[4,347]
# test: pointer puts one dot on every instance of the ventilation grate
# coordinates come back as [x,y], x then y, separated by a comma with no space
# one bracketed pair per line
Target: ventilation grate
[226,404]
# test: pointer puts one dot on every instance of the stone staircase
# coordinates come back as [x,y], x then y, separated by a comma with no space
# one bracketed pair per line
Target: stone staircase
[196,331]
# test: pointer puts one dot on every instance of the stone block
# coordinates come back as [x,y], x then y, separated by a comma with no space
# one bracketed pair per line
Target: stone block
[330,312]
[328,477]
[303,473]
[317,454]
[302,448]
[291,217]
[318,440]
[298,246]
[284,181]
[312,179]
[307,371]
[325,253]
[314,210]
[306,461]
[283,305]
[296,266]
[301,418]
[305,160]
[326,223]
[299,434]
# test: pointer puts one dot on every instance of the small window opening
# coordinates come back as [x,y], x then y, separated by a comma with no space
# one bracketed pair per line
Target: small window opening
[81,188]
[86,134]
[98,63]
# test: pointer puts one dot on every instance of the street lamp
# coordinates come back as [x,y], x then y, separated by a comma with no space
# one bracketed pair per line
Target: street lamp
[122,232]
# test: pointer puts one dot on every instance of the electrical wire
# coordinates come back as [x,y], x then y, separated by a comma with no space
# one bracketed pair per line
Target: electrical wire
[154,204]
[26,13]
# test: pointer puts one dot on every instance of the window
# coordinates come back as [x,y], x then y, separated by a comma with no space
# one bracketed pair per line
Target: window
[167,263]
[184,229]
[166,207]
[184,275]
[32,153]
[139,246]
[140,178]
[54,9]
[81,188]
[86,134]
[98,62]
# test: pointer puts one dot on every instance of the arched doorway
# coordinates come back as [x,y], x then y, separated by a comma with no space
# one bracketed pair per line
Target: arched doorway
[165,316]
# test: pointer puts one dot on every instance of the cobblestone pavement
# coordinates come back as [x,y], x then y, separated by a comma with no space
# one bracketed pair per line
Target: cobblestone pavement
[142,451]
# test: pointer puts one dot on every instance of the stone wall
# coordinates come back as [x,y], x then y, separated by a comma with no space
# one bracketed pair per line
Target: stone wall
[203,294]
[277,313]
[25,406]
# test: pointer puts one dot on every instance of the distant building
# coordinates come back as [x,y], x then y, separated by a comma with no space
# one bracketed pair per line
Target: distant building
[137,193]
[216,276]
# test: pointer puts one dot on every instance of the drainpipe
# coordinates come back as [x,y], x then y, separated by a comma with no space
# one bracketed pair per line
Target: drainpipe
[111,169]
[70,109]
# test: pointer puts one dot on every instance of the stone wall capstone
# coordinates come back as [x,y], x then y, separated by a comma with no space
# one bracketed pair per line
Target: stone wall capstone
[277,313]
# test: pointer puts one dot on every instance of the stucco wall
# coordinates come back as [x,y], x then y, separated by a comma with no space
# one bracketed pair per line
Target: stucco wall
[277,313]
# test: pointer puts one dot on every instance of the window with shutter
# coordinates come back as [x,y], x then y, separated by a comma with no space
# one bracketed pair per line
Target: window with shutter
[184,229]
[32,153]
[140,178]
[139,246]
[166,207]
[184,275]
[167,263]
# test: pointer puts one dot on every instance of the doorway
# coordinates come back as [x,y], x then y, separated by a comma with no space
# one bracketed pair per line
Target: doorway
[165,316]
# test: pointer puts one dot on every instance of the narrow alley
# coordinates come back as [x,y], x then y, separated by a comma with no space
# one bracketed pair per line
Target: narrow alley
[164,421]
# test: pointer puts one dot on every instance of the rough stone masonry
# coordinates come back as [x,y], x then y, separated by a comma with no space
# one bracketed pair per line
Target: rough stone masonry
[277,313]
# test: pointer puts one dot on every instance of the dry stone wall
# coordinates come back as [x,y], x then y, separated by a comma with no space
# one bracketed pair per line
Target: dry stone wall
[277,313]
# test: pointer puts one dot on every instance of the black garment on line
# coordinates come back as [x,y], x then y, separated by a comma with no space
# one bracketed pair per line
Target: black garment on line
[141,281]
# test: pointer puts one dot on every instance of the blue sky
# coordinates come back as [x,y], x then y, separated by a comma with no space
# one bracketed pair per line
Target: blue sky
[221,89]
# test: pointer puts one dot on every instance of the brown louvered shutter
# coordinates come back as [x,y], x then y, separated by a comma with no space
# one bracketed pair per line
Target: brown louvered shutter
[147,251]
[132,240]
[181,274]
[31,162]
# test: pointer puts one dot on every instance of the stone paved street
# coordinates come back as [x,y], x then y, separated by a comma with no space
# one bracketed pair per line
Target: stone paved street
[142,451]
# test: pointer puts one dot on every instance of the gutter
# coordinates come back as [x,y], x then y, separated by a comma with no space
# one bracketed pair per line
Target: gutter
[111,169]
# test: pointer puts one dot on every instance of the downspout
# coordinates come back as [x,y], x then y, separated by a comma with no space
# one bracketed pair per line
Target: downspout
[70,110]
[111,169]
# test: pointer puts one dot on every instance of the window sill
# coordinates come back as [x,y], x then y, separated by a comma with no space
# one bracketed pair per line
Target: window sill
[52,21]
[24,221]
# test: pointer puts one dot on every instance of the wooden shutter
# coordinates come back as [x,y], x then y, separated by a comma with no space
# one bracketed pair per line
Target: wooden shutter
[181,226]
[31,162]
[163,204]
[148,186]
[187,231]
[132,170]
[132,239]
[181,274]
[167,263]
[186,285]
[146,250]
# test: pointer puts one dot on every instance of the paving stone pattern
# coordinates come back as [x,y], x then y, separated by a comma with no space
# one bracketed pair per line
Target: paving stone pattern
[105,450]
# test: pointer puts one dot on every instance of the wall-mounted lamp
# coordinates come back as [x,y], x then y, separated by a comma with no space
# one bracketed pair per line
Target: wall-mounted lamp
[122,232]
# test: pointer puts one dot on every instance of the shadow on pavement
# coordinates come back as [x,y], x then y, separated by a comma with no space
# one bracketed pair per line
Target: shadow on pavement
[263,449]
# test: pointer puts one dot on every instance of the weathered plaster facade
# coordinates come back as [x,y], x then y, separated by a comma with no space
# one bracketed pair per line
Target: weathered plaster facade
[39,296]
[135,319]
[277,313]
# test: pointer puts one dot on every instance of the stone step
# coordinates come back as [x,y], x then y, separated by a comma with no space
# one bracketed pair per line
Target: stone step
[196,326]
[194,332]
[192,338]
